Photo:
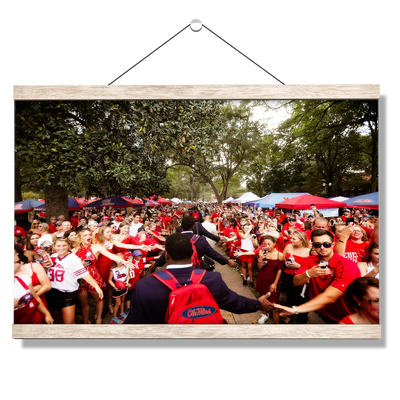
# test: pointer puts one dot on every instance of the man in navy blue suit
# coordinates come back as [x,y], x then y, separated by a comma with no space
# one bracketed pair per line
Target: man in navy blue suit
[202,246]
[149,301]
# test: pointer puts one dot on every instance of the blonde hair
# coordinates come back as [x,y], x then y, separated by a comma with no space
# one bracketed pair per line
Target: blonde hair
[79,238]
[303,237]
[100,235]
[35,221]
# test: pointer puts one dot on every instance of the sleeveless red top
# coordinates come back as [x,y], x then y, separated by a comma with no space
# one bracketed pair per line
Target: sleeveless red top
[292,271]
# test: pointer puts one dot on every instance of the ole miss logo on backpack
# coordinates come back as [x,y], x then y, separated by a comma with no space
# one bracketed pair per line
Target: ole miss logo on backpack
[191,303]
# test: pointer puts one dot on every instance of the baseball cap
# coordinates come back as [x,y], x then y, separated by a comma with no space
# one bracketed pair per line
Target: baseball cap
[127,254]
[137,253]
[45,238]
[105,217]
[59,223]
[92,223]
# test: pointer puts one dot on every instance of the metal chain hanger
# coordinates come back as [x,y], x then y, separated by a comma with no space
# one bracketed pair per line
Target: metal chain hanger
[195,26]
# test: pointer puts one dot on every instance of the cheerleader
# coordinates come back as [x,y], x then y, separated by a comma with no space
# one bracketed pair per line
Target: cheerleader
[248,244]
[106,242]
[118,280]
[64,270]
[88,255]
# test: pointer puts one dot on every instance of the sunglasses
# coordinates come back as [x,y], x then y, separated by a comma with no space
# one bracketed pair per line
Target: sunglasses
[372,302]
[317,245]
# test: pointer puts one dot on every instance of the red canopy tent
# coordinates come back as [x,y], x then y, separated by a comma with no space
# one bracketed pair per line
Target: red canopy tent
[134,202]
[304,202]
[159,200]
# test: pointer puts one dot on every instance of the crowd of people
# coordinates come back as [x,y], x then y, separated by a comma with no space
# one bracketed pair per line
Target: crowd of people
[302,268]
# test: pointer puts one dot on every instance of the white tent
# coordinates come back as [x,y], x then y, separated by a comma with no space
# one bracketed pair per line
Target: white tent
[175,200]
[245,198]
[339,198]
[228,200]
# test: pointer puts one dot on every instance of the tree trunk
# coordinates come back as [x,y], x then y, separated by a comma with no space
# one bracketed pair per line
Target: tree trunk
[56,199]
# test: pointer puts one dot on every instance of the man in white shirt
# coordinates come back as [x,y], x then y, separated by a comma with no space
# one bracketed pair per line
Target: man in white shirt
[211,228]
[135,225]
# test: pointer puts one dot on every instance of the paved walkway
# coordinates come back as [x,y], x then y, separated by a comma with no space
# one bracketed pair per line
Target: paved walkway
[234,281]
[231,277]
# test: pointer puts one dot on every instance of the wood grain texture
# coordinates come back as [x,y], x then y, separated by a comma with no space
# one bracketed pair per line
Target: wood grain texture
[221,92]
[196,332]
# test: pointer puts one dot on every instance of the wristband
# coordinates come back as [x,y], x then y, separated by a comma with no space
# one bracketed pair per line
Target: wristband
[343,241]
[295,310]
[307,274]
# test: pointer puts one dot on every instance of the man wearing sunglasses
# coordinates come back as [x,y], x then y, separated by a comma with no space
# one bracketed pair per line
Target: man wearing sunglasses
[327,275]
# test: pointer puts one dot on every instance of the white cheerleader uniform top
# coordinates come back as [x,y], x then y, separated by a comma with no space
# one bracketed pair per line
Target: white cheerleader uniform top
[65,272]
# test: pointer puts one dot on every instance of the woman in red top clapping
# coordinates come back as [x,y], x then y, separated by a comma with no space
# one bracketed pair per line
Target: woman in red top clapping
[295,252]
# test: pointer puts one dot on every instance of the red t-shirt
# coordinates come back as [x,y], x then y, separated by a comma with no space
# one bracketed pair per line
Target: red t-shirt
[74,221]
[357,252]
[215,215]
[281,218]
[229,229]
[296,226]
[343,272]
[52,228]
[165,220]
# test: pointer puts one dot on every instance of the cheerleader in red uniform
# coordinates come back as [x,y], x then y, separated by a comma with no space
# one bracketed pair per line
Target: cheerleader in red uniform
[231,233]
[88,254]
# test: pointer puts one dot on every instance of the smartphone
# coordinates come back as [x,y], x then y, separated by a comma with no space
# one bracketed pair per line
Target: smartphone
[350,221]
[88,261]
[323,264]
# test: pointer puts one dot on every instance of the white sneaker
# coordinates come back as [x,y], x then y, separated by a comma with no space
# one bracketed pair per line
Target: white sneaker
[264,318]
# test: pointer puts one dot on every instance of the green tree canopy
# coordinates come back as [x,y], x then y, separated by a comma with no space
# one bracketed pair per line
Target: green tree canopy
[103,148]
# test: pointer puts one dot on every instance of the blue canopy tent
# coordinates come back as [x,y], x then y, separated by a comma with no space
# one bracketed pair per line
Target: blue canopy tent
[370,200]
[270,200]
[113,201]
[26,206]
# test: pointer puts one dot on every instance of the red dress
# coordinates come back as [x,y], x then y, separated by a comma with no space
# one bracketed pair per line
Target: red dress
[266,277]
[86,253]
[104,265]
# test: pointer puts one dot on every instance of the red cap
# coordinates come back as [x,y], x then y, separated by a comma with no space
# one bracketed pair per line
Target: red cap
[126,255]
[105,217]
